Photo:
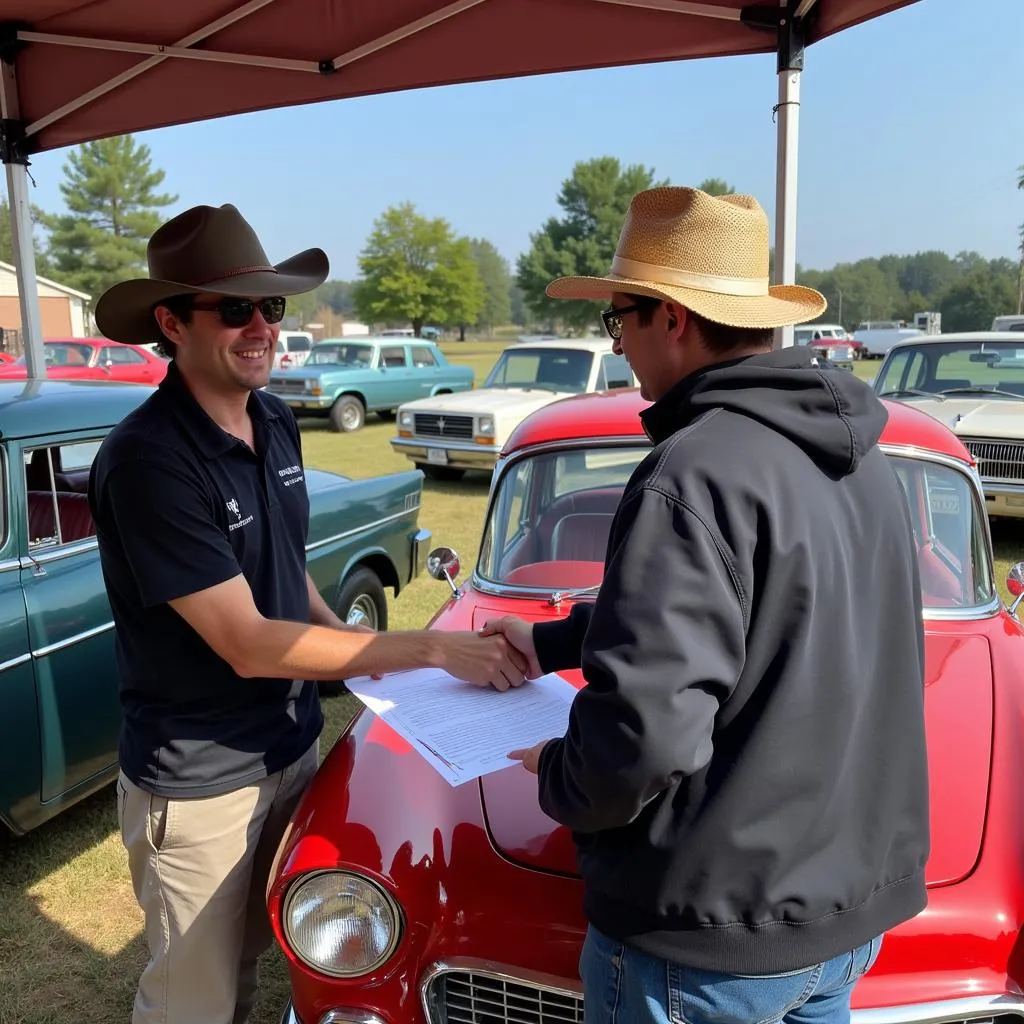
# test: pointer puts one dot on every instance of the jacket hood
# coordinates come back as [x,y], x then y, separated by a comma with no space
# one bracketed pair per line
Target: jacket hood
[834,417]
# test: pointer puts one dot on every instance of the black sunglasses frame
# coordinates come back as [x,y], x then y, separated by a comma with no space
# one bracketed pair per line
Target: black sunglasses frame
[239,312]
[614,316]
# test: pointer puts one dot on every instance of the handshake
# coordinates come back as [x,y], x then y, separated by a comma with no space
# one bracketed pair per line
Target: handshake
[502,654]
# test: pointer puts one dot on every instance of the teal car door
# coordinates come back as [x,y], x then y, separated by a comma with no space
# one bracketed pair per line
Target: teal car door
[69,622]
[19,720]
[398,378]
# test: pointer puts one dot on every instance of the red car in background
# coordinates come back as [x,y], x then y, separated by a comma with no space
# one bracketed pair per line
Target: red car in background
[399,899]
[93,359]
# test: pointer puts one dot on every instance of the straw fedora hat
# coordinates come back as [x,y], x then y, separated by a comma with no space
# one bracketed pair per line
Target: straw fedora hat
[708,253]
[204,249]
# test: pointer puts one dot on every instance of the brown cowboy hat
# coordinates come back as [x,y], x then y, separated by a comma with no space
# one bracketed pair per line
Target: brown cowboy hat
[708,253]
[205,249]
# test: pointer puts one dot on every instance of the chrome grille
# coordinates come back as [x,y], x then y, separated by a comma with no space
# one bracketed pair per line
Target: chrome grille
[286,387]
[473,997]
[997,460]
[432,424]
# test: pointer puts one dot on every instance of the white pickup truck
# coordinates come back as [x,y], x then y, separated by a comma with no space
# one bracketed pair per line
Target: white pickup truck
[448,434]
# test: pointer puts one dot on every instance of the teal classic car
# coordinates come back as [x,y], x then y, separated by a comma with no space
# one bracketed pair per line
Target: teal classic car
[60,715]
[345,378]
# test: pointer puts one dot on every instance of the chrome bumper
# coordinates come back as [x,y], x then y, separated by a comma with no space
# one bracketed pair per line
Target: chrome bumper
[458,454]
[333,1017]
[1003,498]
[307,402]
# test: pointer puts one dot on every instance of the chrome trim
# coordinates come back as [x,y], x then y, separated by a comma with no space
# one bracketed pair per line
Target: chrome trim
[571,988]
[53,553]
[360,529]
[14,662]
[449,446]
[70,641]
[10,563]
[345,1016]
[996,486]
[973,1007]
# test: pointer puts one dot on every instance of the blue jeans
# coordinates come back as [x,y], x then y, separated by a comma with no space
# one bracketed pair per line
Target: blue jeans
[624,986]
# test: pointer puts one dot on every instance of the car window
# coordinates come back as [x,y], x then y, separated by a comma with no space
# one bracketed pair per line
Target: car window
[56,489]
[423,356]
[554,369]
[996,367]
[120,355]
[614,372]
[340,355]
[298,344]
[392,356]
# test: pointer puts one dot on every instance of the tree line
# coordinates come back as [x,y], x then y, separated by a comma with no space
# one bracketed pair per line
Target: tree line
[417,271]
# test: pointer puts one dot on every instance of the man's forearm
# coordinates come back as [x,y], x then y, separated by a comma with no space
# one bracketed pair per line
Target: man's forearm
[320,613]
[293,650]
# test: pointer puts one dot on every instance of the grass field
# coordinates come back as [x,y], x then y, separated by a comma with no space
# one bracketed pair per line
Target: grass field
[70,932]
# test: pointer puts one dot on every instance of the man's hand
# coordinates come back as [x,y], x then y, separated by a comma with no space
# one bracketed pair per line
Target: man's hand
[482,661]
[530,757]
[519,634]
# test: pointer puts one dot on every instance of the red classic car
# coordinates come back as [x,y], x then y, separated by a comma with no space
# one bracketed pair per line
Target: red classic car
[93,359]
[399,899]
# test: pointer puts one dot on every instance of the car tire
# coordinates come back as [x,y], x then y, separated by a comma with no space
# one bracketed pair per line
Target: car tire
[348,414]
[441,473]
[360,599]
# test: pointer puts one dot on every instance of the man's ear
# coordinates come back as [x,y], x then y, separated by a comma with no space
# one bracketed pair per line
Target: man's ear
[676,317]
[168,323]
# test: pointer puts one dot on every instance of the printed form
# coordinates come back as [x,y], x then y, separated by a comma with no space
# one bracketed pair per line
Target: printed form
[466,731]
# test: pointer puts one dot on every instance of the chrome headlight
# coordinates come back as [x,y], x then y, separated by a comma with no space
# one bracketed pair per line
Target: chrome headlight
[341,924]
[485,426]
[405,420]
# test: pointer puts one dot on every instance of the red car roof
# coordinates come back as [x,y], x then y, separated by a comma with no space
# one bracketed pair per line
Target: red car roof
[617,414]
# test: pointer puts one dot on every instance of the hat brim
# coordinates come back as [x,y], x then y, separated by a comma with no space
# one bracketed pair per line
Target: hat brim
[125,311]
[783,304]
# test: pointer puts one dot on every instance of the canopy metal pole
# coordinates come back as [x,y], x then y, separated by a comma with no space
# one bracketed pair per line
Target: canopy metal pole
[14,154]
[790,65]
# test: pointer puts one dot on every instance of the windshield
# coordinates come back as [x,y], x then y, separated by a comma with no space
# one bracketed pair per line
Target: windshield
[963,368]
[340,355]
[554,369]
[63,354]
[549,523]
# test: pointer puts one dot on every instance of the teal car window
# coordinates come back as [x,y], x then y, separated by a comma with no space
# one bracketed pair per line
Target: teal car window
[392,357]
[56,493]
[341,355]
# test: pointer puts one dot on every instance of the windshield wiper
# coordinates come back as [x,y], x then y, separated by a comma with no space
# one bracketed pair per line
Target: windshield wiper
[561,595]
[913,391]
[978,390]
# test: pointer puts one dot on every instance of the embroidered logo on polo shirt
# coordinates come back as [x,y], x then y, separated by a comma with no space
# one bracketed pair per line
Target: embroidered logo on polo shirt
[232,506]
[290,476]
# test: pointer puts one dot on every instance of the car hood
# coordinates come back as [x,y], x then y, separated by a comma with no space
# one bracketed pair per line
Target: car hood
[487,400]
[958,710]
[974,416]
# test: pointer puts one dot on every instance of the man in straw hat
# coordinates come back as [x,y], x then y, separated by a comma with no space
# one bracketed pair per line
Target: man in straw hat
[201,514]
[745,769]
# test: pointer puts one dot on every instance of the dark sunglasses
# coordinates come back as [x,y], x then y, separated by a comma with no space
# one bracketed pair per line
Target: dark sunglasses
[613,319]
[239,312]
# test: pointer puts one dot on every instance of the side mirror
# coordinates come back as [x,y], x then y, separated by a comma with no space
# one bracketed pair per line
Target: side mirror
[1015,585]
[444,564]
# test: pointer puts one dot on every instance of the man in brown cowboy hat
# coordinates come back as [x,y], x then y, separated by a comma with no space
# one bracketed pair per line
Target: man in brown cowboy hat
[745,770]
[201,514]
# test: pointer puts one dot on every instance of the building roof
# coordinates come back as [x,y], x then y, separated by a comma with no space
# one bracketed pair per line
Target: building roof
[45,280]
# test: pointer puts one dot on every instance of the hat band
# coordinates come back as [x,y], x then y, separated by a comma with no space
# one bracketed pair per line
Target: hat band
[655,274]
[223,275]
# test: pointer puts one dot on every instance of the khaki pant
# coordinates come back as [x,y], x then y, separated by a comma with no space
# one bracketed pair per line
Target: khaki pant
[200,869]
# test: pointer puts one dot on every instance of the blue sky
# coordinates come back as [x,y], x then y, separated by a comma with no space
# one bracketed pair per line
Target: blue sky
[912,127]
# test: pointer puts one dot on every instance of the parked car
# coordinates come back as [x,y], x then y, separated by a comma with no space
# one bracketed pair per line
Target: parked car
[824,337]
[398,898]
[93,359]
[292,349]
[974,384]
[59,708]
[345,378]
[446,436]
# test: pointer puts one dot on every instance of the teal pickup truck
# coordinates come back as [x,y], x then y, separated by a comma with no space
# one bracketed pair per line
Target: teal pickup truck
[345,378]
[59,709]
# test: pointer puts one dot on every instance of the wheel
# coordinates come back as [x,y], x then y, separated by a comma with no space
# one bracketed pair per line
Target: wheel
[348,414]
[361,601]
[432,472]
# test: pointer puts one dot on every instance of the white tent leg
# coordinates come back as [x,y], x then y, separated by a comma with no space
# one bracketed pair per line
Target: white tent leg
[787,161]
[12,151]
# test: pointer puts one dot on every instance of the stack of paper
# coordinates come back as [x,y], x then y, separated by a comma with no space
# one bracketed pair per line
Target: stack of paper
[465,731]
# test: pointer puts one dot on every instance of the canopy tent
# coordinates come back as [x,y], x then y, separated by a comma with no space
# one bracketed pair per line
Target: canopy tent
[78,70]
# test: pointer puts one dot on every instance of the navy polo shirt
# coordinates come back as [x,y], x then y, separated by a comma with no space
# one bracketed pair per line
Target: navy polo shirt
[180,505]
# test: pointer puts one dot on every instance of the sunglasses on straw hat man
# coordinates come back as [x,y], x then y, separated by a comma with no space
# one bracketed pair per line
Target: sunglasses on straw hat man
[708,253]
[208,250]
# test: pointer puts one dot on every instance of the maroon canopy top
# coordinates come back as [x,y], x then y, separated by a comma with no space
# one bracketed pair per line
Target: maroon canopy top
[275,53]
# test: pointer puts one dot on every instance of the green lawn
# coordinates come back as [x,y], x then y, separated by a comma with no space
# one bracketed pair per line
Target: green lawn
[70,932]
